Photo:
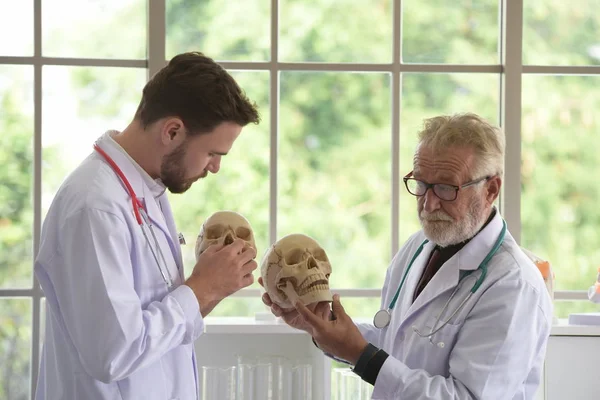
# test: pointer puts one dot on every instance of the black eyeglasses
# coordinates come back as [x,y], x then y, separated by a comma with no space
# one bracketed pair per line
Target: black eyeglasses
[443,191]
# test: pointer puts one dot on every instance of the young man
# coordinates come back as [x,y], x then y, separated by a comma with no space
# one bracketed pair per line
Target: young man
[121,321]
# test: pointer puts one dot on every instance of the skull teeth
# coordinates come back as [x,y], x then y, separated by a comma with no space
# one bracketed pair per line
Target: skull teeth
[311,280]
[314,288]
[313,283]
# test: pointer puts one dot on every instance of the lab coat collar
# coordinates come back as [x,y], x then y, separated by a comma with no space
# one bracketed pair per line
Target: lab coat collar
[136,180]
[466,259]
[157,188]
[406,299]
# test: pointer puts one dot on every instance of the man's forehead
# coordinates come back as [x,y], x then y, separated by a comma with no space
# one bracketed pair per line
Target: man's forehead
[443,163]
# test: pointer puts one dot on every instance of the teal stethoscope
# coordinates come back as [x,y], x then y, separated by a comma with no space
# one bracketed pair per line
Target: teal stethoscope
[382,317]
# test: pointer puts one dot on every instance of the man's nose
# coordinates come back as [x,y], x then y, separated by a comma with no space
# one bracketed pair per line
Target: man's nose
[430,201]
[214,165]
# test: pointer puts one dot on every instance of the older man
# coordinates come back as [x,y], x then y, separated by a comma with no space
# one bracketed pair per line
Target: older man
[464,313]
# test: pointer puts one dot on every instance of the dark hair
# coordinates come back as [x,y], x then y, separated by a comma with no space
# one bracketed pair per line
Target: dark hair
[196,89]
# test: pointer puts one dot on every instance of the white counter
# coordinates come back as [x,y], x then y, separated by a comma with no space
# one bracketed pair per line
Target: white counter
[570,368]
[564,329]
[247,325]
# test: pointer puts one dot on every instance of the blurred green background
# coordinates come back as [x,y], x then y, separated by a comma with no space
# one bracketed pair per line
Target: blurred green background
[334,154]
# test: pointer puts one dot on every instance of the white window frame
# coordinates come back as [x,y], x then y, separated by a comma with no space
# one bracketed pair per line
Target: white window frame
[510,70]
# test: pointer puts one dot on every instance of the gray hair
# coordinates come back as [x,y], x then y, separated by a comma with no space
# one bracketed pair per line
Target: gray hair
[467,130]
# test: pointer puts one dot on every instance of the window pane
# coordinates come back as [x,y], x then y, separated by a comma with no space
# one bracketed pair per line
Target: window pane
[94,29]
[221,29]
[334,169]
[452,32]
[428,95]
[16,28]
[562,309]
[16,176]
[559,201]
[362,308]
[15,348]
[80,104]
[355,31]
[240,306]
[242,184]
[561,32]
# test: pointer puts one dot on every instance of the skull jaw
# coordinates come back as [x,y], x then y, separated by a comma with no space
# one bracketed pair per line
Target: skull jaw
[311,298]
[317,297]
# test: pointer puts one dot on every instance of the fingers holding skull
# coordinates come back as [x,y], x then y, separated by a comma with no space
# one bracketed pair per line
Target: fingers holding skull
[227,239]
[294,268]
[223,228]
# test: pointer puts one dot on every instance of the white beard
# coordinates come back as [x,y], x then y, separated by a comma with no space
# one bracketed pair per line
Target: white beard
[442,230]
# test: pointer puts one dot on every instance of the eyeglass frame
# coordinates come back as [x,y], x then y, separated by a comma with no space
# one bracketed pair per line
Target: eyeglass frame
[431,186]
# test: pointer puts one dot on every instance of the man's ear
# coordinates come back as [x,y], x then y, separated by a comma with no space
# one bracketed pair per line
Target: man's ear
[493,188]
[172,132]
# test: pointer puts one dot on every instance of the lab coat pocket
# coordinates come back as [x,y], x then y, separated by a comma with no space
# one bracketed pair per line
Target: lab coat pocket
[445,338]
[435,349]
[149,383]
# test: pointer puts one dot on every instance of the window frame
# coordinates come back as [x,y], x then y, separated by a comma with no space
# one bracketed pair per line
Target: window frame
[510,71]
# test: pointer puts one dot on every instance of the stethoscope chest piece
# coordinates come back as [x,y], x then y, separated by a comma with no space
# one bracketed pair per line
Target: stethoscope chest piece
[382,319]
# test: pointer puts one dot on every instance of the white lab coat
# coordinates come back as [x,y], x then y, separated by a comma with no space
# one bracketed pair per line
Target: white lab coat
[113,330]
[493,348]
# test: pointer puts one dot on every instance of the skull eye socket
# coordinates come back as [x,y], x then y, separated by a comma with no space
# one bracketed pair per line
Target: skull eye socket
[320,255]
[294,256]
[243,233]
[214,232]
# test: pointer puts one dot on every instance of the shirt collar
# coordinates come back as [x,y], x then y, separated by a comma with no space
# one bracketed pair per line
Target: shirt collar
[157,188]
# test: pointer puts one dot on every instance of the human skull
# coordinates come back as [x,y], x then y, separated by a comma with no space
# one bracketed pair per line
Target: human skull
[223,227]
[296,266]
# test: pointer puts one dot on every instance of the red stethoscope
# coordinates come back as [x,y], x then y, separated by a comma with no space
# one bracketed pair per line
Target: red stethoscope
[141,217]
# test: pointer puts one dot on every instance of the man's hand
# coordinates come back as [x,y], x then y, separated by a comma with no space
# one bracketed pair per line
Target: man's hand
[291,317]
[339,337]
[220,272]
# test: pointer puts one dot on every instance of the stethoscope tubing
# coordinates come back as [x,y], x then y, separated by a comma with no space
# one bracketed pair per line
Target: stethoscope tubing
[478,282]
[168,281]
[141,217]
